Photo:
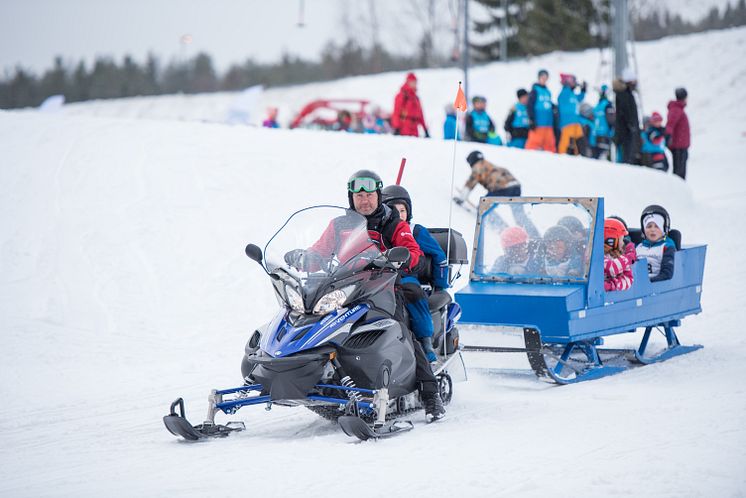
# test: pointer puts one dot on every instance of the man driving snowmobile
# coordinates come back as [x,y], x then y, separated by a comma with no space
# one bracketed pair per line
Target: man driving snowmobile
[386,229]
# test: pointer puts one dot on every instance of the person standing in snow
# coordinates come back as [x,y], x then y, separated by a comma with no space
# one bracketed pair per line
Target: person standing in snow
[479,125]
[541,116]
[407,116]
[603,126]
[517,122]
[571,132]
[271,121]
[627,129]
[677,127]
[653,143]
[450,123]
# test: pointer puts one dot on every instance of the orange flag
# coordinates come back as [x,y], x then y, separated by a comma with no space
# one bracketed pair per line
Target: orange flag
[460,102]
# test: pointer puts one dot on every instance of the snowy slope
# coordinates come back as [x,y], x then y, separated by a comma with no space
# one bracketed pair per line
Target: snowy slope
[123,284]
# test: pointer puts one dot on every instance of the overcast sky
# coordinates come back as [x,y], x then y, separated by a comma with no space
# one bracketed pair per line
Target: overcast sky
[32,32]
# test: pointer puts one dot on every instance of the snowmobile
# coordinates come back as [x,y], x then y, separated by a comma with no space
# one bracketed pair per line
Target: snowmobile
[336,346]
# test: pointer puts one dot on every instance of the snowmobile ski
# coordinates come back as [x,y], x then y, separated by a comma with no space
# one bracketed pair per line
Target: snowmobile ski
[178,425]
[356,427]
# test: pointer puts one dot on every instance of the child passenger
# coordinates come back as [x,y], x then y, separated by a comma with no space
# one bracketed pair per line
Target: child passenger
[617,268]
[656,246]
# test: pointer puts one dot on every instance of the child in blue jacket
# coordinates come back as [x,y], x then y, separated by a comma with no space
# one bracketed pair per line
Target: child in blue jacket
[654,143]
[397,198]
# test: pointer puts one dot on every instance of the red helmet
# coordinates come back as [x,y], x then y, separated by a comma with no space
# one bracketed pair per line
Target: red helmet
[656,118]
[513,236]
[614,229]
[567,79]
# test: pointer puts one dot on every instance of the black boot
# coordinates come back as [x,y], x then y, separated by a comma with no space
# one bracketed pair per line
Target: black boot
[434,409]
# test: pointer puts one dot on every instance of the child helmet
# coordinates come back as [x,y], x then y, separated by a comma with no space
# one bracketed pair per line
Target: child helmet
[396,194]
[513,236]
[614,229]
[558,232]
[656,209]
[656,118]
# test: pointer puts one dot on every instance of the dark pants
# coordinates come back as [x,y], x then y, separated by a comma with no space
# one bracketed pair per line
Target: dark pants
[514,191]
[423,373]
[602,149]
[680,157]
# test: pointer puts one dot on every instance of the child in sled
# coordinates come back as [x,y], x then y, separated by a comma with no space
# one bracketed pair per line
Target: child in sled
[617,268]
[656,246]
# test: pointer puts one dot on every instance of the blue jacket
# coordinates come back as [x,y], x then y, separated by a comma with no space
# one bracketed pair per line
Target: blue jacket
[540,106]
[449,127]
[431,248]
[569,106]
[601,123]
[478,126]
[653,141]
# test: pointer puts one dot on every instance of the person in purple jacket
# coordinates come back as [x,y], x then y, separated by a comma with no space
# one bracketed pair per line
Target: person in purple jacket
[677,129]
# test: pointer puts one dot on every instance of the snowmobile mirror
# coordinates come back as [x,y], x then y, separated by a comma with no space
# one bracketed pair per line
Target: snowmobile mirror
[398,255]
[254,253]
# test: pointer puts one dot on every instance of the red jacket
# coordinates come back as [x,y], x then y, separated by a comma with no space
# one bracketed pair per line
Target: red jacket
[347,242]
[407,115]
[617,273]
[677,125]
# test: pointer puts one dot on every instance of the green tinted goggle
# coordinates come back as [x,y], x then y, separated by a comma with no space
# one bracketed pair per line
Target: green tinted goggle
[368,184]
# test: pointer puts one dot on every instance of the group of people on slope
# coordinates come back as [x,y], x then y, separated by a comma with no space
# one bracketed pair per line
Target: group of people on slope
[573,126]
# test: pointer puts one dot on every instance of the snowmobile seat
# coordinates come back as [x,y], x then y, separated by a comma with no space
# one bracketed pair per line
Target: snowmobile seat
[438,300]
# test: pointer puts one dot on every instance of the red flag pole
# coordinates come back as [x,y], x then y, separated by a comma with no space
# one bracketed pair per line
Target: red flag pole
[401,170]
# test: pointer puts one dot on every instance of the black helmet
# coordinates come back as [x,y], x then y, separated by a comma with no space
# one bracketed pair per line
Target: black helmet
[656,209]
[619,218]
[474,157]
[681,93]
[558,232]
[374,186]
[396,194]
[572,223]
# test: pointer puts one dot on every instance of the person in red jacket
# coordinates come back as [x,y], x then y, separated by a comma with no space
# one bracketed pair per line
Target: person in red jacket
[407,116]
[677,128]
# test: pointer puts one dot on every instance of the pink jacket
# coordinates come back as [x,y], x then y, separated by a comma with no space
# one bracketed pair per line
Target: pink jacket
[617,273]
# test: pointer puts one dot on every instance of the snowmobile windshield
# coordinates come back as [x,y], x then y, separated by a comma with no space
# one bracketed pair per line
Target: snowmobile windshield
[320,243]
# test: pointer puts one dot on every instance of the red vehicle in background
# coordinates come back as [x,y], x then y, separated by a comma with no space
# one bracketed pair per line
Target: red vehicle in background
[339,114]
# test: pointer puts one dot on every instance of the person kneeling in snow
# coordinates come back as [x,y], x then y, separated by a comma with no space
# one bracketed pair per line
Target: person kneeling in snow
[498,181]
[398,199]
[617,268]
[656,246]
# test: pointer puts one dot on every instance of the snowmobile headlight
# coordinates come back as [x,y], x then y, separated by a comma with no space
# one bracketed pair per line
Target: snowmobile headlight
[330,302]
[294,299]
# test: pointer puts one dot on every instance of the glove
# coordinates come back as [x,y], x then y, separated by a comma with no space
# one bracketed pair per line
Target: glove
[583,86]
[294,257]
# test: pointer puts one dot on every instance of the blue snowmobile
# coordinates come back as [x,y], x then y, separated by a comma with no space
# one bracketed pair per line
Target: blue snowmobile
[337,345]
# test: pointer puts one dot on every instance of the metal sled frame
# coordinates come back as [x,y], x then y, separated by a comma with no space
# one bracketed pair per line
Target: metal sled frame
[358,401]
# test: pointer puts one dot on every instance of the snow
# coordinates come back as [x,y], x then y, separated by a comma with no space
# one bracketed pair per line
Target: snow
[123,284]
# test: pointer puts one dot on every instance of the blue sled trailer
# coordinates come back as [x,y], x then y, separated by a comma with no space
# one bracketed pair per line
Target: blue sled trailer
[538,265]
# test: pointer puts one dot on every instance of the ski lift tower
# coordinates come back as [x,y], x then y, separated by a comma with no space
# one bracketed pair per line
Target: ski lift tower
[620,36]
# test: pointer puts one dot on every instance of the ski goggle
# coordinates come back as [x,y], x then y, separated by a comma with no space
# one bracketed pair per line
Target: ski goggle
[368,184]
[610,242]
